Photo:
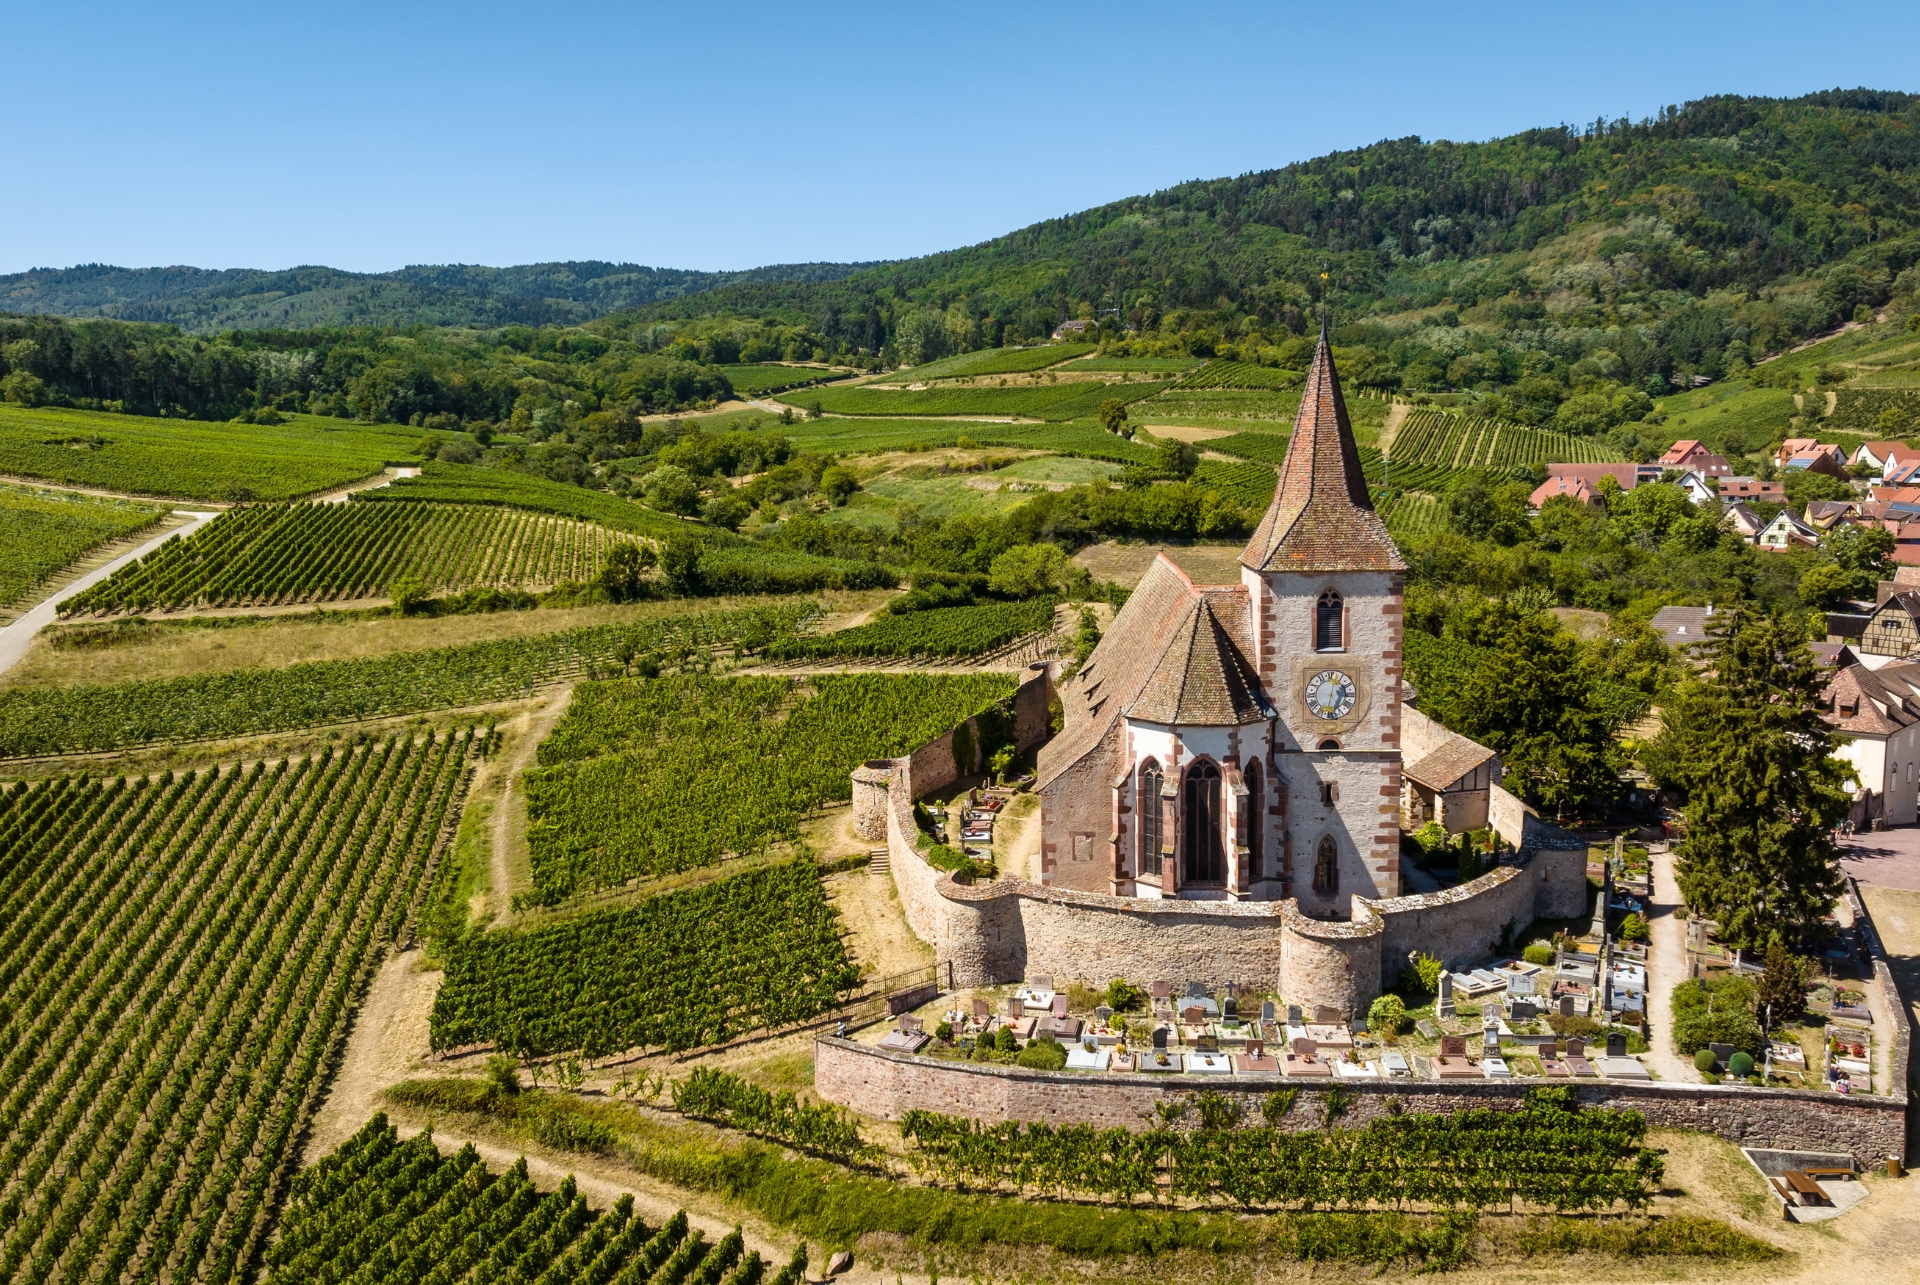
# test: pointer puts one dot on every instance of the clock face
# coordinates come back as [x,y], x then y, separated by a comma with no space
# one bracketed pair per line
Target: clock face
[1331,694]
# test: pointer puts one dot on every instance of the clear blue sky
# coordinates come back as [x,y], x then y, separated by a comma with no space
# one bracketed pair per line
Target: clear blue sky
[726,135]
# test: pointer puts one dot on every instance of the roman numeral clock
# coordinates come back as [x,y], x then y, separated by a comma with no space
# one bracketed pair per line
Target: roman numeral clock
[1331,695]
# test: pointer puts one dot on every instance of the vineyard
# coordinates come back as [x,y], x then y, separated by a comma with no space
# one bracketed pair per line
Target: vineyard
[1456,442]
[44,532]
[89,718]
[1241,374]
[752,951]
[728,1100]
[1248,485]
[755,380]
[177,964]
[379,1209]
[1409,515]
[474,484]
[942,632]
[1548,1155]
[1073,400]
[652,776]
[282,553]
[993,361]
[202,461]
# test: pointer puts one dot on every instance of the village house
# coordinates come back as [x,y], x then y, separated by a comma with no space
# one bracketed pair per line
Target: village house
[1880,456]
[1893,631]
[1696,487]
[1877,712]
[1824,515]
[1693,455]
[1818,459]
[1787,532]
[1574,487]
[1683,628]
[1447,778]
[1751,488]
[1742,521]
[1627,475]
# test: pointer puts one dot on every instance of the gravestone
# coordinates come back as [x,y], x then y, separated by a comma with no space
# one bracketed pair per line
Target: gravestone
[1294,1017]
[1722,1053]
[1520,984]
[1547,1050]
[1161,990]
[1566,1006]
[1490,1039]
[1059,1005]
[1101,1014]
[1196,990]
[1256,1049]
[1453,1046]
[981,1011]
[1616,1044]
[1428,1031]
[1524,1010]
[1043,982]
[1576,1047]
[1016,1008]
[1324,1013]
[1230,1009]
[1193,1015]
[1304,1047]
[1160,1039]
[1443,1006]
[1266,1011]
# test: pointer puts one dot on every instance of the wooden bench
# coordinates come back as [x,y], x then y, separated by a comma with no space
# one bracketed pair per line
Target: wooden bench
[1804,1188]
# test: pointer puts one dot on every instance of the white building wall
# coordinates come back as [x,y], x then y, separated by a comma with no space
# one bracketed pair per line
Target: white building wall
[1888,766]
[1175,750]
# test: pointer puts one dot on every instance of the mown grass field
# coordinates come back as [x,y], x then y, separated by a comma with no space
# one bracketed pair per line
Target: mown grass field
[192,459]
[44,532]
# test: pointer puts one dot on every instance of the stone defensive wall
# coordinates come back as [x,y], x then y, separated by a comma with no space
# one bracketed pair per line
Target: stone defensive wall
[886,1085]
[1004,931]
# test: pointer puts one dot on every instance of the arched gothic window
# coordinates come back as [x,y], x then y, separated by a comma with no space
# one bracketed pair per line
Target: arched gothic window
[1150,812]
[1206,862]
[1329,624]
[1326,867]
[1256,822]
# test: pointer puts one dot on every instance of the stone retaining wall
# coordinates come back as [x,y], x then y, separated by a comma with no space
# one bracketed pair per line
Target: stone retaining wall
[885,1086]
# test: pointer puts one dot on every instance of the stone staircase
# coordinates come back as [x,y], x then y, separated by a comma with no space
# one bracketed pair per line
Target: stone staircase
[880,863]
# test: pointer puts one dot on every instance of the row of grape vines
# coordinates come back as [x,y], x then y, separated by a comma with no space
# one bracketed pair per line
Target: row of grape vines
[647,777]
[939,632]
[382,1210]
[1547,1155]
[1409,515]
[1249,485]
[88,718]
[1453,441]
[1241,374]
[178,957]
[281,553]
[751,951]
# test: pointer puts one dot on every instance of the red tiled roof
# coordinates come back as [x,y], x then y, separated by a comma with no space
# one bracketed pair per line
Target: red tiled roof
[1322,518]
[1202,679]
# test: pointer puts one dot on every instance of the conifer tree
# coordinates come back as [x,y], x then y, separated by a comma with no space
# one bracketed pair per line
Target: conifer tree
[1747,747]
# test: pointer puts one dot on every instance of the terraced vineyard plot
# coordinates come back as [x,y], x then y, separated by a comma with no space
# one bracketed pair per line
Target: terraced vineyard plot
[1455,441]
[1248,485]
[941,632]
[269,554]
[1242,374]
[752,380]
[754,951]
[202,461]
[177,963]
[647,777]
[1409,515]
[993,361]
[44,532]
[477,484]
[380,1209]
[83,719]
[1075,400]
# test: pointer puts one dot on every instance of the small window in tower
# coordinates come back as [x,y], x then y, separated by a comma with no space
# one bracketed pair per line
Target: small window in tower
[1329,624]
[1330,792]
[1329,744]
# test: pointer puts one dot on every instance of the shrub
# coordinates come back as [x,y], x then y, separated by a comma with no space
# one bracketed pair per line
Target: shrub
[1704,1060]
[1042,1055]
[1741,1064]
[1716,1011]
[1422,975]
[1538,953]
[1633,928]
[1783,987]
[1432,838]
[1004,1040]
[944,1032]
[1121,997]
[1386,1015]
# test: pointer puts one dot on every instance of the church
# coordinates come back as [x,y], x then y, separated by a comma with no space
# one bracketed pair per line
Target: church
[1242,741]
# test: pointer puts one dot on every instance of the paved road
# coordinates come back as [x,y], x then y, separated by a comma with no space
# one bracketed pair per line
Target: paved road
[18,636]
[1886,859]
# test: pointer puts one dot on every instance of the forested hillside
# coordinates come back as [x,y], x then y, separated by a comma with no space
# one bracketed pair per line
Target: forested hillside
[204,301]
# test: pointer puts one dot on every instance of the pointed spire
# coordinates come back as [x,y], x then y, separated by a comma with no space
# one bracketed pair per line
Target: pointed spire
[1322,518]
